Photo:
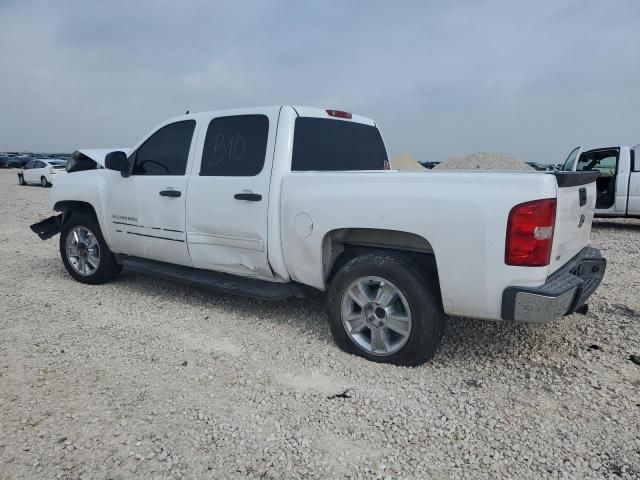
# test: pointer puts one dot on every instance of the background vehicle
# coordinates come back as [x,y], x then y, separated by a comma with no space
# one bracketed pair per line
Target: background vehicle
[19,162]
[41,171]
[219,200]
[618,184]
[541,167]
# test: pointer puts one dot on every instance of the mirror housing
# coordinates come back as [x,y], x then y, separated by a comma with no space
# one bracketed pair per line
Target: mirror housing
[117,161]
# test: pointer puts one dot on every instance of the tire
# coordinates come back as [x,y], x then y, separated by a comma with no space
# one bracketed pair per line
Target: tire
[44,182]
[21,180]
[416,303]
[82,266]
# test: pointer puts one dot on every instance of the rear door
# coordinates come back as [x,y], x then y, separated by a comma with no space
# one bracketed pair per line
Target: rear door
[576,202]
[37,171]
[228,195]
[569,164]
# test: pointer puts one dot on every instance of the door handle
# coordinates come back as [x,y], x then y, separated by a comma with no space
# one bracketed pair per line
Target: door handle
[249,197]
[170,193]
[583,196]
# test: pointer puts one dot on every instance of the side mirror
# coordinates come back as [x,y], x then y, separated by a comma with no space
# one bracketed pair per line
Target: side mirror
[117,161]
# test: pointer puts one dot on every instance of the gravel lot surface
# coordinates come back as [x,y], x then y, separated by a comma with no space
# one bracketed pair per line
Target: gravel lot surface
[143,378]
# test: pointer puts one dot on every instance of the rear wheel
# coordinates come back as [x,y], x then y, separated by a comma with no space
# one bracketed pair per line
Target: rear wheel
[383,308]
[43,181]
[84,252]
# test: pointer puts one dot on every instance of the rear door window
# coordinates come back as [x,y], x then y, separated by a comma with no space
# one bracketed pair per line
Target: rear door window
[166,151]
[235,146]
[330,145]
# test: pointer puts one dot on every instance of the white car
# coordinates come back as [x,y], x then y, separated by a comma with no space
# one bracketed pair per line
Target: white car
[41,171]
[219,200]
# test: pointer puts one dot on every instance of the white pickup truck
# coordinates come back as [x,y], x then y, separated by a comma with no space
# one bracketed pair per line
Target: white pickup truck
[274,202]
[618,186]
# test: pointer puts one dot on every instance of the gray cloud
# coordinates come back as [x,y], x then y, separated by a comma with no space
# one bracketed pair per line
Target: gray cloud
[528,79]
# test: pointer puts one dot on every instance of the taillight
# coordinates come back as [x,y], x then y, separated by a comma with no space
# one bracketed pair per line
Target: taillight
[339,114]
[52,170]
[530,233]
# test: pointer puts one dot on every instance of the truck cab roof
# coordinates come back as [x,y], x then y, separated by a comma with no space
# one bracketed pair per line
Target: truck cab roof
[300,110]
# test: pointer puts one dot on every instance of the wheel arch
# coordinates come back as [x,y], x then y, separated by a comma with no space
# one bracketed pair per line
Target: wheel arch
[341,245]
[70,207]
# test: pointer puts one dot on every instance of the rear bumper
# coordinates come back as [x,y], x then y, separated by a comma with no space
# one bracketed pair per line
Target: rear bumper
[564,291]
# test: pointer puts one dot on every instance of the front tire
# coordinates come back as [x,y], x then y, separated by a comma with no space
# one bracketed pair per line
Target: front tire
[383,308]
[85,253]
[21,180]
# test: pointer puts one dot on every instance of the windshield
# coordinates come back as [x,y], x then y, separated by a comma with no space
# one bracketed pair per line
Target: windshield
[570,161]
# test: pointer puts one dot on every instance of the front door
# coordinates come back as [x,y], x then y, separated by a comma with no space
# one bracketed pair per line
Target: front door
[228,197]
[146,211]
[27,173]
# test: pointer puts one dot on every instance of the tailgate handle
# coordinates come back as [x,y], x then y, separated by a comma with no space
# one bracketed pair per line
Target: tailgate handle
[583,196]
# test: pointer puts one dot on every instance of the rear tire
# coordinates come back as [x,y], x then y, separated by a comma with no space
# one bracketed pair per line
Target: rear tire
[383,308]
[44,182]
[85,253]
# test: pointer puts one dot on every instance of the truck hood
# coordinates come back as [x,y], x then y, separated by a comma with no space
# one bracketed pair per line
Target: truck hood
[98,154]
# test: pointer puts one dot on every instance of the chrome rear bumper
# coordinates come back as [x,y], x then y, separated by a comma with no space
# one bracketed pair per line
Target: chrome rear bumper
[564,292]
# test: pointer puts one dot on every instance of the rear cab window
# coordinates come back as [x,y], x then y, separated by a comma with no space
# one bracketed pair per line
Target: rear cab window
[321,144]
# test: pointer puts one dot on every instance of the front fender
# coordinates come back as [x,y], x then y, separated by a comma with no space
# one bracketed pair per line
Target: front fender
[86,188]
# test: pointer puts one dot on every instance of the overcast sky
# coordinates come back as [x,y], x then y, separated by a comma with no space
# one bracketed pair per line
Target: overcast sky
[528,79]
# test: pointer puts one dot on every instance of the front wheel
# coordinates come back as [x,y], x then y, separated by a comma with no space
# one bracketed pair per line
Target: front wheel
[21,180]
[84,252]
[383,308]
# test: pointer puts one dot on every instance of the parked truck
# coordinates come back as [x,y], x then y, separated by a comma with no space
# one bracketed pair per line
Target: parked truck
[618,185]
[275,202]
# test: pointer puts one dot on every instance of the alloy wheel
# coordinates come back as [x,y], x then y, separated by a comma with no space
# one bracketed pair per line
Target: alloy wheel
[83,250]
[376,315]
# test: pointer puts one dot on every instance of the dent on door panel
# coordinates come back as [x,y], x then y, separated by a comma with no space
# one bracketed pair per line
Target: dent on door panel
[228,259]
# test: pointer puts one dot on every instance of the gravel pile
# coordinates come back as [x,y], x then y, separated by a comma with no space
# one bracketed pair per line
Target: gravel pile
[406,162]
[483,161]
[147,379]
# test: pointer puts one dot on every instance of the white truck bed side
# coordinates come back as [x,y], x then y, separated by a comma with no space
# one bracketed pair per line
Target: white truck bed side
[463,215]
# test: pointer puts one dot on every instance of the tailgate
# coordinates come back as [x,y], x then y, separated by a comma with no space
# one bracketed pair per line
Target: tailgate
[574,214]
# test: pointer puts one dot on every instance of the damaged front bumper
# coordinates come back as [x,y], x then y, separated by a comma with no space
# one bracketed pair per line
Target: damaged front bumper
[564,292]
[48,228]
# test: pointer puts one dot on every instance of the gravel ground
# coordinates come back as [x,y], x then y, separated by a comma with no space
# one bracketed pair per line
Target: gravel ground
[148,379]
